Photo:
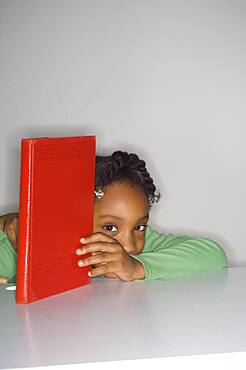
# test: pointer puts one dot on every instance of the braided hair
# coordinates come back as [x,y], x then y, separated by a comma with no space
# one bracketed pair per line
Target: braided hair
[127,167]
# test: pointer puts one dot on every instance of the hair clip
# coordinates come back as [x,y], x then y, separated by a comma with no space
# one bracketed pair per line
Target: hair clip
[98,192]
[154,198]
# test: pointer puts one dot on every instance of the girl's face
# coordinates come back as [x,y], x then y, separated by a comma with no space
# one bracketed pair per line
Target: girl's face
[123,213]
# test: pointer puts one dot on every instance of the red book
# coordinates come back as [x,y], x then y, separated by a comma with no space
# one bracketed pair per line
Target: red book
[56,210]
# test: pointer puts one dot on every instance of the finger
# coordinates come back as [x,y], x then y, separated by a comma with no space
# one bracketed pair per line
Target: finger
[100,258]
[1,222]
[11,229]
[102,270]
[111,276]
[96,237]
[98,247]
[3,280]
[12,236]
[16,233]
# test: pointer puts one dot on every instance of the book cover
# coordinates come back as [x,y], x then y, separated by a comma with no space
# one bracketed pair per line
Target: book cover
[56,210]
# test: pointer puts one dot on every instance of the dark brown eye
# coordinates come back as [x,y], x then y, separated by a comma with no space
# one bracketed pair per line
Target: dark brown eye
[110,227]
[141,227]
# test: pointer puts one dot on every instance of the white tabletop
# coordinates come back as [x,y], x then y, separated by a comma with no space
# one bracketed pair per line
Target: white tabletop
[110,320]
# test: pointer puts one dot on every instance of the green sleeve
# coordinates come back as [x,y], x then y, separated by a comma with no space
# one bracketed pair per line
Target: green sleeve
[167,255]
[7,258]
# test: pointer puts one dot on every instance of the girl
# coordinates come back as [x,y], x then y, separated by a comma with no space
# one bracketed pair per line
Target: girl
[123,246]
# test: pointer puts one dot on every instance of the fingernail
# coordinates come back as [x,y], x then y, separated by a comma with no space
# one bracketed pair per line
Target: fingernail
[89,273]
[82,240]
[78,252]
[80,263]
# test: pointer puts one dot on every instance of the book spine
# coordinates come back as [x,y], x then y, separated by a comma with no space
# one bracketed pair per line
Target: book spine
[25,216]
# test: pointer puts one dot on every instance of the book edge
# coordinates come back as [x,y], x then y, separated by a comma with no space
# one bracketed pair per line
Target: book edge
[22,293]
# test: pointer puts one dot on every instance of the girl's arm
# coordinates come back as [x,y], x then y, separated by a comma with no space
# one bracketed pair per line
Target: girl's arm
[8,260]
[9,224]
[8,246]
[168,256]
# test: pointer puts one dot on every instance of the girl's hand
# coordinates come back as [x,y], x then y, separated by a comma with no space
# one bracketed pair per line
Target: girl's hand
[9,224]
[3,280]
[110,258]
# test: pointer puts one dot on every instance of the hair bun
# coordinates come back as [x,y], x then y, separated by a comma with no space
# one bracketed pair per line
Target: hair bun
[124,159]
[120,158]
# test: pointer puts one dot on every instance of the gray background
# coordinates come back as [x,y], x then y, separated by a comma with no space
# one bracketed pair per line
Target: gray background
[165,79]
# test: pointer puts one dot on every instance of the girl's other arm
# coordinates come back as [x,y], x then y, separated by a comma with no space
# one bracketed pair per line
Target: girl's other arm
[168,256]
[9,225]
[8,246]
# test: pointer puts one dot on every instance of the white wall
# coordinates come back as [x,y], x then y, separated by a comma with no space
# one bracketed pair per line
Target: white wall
[165,79]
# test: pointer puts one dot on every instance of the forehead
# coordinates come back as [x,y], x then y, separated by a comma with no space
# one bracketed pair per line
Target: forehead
[123,200]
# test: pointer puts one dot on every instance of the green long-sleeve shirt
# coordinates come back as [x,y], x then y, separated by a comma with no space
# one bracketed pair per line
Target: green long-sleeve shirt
[167,255]
[163,256]
[7,258]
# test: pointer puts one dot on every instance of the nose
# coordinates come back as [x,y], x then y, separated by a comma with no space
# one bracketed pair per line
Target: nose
[128,242]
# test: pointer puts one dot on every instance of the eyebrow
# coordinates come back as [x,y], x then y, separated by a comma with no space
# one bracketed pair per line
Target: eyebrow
[120,218]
